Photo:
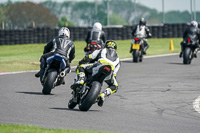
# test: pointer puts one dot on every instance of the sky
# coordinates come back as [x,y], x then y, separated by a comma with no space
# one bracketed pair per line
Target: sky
[169,5]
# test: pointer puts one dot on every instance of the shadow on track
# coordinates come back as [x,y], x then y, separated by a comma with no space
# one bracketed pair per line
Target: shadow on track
[128,61]
[32,93]
[75,109]
[65,109]
[175,63]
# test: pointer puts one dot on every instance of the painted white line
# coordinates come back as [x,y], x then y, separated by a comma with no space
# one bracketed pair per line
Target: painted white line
[196,104]
[153,56]
[6,73]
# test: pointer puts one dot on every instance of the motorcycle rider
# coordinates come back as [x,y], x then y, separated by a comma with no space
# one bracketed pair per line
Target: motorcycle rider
[193,32]
[63,45]
[97,35]
[142,31]
[106,56]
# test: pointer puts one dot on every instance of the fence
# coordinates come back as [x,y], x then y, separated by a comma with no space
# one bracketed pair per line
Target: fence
[44,35]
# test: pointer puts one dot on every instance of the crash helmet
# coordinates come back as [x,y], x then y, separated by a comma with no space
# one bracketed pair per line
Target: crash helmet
[142,22]
[97,26]
[111,44]
[64,31]
[194,24]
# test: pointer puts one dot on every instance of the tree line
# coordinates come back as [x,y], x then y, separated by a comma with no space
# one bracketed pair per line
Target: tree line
[70,13]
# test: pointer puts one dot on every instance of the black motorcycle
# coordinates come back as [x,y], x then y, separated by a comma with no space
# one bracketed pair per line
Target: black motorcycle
[88,94]
[188,52]
[54,73]
[92,46]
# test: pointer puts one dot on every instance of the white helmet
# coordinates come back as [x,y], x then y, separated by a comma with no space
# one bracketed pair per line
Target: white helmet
[97,26]
[64,31]
[194,23]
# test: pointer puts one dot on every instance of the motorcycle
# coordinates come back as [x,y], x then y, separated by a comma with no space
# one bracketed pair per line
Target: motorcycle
[92,47]
[54,73]
[136,49]
[88,94]
[188,52]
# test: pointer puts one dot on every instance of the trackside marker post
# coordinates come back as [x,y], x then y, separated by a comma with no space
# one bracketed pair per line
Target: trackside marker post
[171,47]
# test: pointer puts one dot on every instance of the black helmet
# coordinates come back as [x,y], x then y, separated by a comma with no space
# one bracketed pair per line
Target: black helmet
[111,44]
[142,21]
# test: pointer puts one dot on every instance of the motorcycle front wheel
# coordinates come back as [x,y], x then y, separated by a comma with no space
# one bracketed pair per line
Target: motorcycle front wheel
[71,104]
[86,103]
[49,82]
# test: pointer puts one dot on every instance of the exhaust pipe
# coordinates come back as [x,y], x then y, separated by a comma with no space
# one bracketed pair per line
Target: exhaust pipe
[62,74]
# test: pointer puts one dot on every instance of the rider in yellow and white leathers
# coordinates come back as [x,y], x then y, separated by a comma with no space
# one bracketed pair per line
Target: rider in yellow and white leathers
[106,56]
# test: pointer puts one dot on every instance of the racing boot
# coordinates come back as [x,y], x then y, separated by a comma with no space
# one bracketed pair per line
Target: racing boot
[131,50]
[79,83]
[195,52]
[145,49]
[182,49]
[144,52]
[103,95]
[42,68]
[181,54]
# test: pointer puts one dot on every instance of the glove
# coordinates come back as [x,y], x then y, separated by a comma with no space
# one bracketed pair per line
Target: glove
[81,62]
[149,35]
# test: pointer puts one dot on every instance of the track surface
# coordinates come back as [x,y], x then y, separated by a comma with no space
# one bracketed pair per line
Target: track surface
[155,96]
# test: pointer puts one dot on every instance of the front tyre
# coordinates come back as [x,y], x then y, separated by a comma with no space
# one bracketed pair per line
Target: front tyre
[86,103]
[71,104]
[187,55]
[49,82]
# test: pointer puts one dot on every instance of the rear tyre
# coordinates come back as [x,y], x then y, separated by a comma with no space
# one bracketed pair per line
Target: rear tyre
[49,82]
[86,103]
[187,55]
[135,56]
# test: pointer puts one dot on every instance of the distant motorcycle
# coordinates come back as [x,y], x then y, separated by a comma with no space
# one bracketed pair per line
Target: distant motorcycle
[92,46]
[54,73]
[137,49]
[188,53]
[87,95]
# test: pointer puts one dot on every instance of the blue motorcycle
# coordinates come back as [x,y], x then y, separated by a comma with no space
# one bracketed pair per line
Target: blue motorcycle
[54,73]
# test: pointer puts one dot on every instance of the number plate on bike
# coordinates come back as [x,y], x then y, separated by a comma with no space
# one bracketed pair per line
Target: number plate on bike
[136,46]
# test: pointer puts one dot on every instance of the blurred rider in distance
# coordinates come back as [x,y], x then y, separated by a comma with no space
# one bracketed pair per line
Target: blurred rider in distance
[142,31]
[191,32]
[95,35]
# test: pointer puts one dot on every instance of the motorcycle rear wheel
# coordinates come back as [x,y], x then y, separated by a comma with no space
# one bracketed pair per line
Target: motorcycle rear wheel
[86,103]
[49,82]
[135,56]
[187,56]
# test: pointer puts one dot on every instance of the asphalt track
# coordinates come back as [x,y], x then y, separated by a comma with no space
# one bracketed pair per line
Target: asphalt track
[155,96]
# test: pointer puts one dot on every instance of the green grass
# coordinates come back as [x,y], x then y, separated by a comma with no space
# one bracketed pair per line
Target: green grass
[26,57]
[7,128]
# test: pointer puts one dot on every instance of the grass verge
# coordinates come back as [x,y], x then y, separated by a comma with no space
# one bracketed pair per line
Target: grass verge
[26,57]
[7,128]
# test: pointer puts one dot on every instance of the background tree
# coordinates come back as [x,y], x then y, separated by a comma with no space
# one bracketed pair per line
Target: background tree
[116,20]
[21,15]
[86,13]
